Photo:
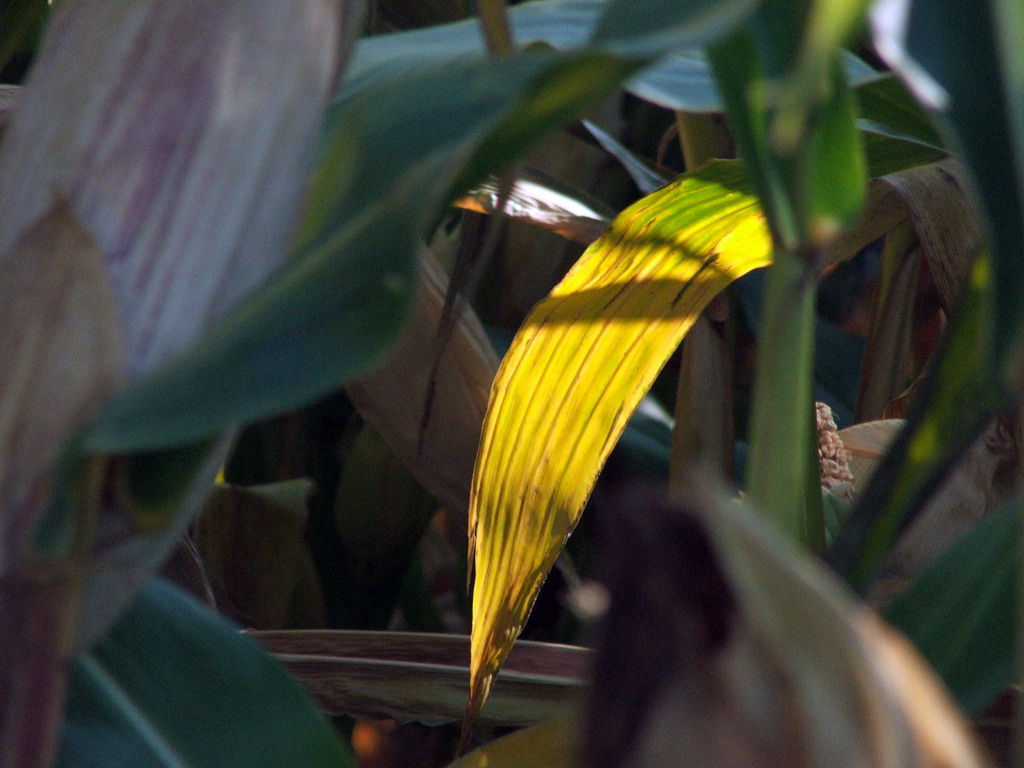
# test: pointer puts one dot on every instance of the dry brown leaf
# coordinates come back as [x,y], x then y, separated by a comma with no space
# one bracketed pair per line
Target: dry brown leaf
[866,443]
[61,356]
[946,225]
[392,398]
[425,677]
[980,483]
[883,212]
[973,489]
[704,413]
[886,363]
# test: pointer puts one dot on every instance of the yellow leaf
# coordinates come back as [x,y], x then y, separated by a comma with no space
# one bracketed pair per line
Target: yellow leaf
[577,370]
[546,745]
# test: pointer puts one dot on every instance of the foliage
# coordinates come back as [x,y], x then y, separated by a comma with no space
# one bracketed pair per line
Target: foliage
[252,246]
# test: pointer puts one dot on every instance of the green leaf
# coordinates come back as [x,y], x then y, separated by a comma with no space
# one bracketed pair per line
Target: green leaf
[651,27]
[888,153]
[740,75]
[425,677]
[959,612]
[680,80]
[343,301]
[836,171]
[888,108]
[646,179]
[175,686]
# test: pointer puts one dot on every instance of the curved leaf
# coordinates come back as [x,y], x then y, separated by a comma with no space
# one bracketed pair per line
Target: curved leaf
[174,686]
[425,677]
[759,657]
[582,362]
[580,365]
[344,300]
[681,80]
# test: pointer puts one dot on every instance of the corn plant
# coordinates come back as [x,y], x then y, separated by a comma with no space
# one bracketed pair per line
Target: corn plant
[229,263]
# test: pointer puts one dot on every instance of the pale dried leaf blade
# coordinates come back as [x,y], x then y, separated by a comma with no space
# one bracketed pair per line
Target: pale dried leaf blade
[984,478]
[577,370]
[946,224]
[533,201]
[61,357]
[885,365]
[867,443]
[424,677]
[392,397]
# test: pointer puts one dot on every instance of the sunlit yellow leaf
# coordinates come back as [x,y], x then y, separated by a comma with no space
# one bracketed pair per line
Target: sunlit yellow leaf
[575,373]
[582,362]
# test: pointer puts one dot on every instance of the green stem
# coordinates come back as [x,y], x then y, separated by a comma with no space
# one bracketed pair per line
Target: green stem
[778,463]
[698,139]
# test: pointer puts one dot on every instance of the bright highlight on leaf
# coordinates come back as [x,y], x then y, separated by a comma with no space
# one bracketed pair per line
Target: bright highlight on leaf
[577,370]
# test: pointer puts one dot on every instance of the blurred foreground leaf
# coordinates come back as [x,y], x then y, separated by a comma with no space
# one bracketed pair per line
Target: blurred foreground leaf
[726,643]
[172,685]
[344,299]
